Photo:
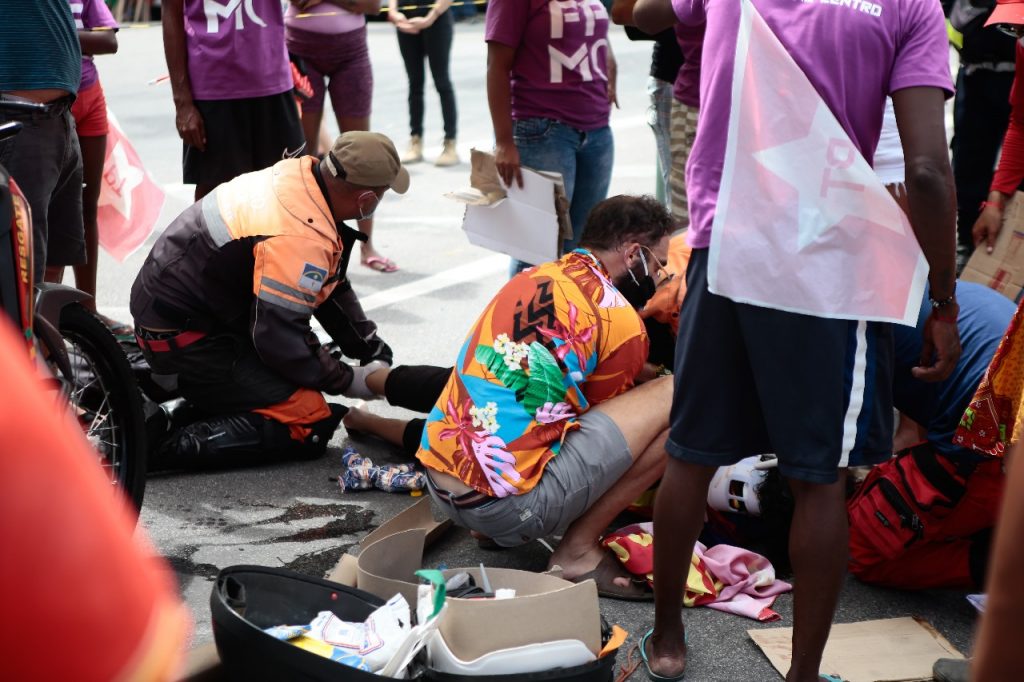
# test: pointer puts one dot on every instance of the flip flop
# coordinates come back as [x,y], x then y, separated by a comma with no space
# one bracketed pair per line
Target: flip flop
[605,574]
[380,264]
[651,675]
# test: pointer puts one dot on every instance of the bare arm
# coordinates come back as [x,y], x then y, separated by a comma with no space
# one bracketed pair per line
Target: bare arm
[355,6]
[439,8]
[188,120]
[499,97]
[654,16]
[920,116]
[95,42]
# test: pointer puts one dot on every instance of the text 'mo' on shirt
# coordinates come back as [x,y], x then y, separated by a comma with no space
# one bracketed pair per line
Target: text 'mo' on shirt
[236,50]
[561,65]
[854,52]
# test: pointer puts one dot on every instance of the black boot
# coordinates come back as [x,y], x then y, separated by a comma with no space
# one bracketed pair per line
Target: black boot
[244,438]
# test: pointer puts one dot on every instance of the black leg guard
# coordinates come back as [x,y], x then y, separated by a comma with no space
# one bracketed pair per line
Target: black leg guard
[315,445]
[244,438]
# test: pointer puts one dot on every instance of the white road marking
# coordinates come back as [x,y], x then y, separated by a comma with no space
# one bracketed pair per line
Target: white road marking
[421,287]
[468,272]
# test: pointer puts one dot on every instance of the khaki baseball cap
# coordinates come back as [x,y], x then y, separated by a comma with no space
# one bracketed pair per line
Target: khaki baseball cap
[367,159]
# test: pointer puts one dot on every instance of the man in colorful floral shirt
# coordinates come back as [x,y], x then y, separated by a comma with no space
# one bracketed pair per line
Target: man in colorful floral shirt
[540,430]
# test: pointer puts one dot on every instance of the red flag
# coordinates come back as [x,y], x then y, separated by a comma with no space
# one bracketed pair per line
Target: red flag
[130,201]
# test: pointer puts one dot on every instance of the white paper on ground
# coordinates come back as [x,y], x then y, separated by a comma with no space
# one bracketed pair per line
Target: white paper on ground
[978,601]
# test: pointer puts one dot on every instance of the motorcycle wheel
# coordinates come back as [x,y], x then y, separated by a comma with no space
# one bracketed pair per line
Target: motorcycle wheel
[105,396]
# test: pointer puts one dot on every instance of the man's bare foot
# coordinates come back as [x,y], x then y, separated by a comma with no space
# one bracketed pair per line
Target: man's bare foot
[358,420]
[601,566]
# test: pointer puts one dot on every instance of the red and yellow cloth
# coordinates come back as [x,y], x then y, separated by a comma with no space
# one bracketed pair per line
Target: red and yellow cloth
[993,420]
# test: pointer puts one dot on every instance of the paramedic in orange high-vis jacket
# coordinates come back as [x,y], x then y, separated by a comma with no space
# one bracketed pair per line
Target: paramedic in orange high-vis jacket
[225,298]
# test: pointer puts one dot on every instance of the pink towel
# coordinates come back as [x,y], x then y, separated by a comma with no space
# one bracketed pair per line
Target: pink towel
[750,586]
[725,578]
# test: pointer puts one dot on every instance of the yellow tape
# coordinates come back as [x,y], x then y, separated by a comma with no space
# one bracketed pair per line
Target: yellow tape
[402,8]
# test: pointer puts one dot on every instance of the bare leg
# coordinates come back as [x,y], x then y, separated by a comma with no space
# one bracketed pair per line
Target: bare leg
[94,148]
[54,274]
[818,548]
[387,429]
[311,130]
[678,514]
[579,551]
[642,416]
[376,381]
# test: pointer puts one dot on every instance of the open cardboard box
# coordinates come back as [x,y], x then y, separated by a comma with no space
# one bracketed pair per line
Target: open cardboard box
[1003,269]
[546,608]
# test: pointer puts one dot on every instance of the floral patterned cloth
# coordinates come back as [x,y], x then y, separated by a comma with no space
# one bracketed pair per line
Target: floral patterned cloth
[555,341]
[993,421]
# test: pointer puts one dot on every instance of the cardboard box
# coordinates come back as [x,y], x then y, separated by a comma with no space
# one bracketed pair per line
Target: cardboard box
[418,516]
[545,608]
[890,650]
[1003,269]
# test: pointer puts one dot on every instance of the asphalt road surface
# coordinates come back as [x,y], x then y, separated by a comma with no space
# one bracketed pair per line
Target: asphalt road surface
[292,514]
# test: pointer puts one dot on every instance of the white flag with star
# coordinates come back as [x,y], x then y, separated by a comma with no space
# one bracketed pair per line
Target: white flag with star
[802,223]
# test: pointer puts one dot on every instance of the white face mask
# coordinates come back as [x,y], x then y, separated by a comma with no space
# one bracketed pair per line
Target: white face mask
[365,214]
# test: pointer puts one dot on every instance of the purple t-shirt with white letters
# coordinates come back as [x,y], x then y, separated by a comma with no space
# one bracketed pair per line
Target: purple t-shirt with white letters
[854,52]
[561,65]
[236,49]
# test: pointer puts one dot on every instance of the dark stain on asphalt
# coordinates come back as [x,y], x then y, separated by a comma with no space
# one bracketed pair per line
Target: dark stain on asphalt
[186,569]
[317,564]
[300,511]
[335,528]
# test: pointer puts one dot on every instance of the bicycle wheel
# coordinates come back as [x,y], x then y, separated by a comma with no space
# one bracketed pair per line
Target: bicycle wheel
[106,397]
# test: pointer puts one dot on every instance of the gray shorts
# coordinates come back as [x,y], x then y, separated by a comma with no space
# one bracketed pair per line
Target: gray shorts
[592,459]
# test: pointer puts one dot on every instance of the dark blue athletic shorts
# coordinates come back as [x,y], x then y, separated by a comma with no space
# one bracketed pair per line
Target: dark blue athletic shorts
[751,380]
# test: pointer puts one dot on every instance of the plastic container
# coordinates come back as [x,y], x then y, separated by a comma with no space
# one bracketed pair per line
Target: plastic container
[247,599]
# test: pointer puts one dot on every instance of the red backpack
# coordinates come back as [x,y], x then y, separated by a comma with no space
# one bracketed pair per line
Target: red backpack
[904,500]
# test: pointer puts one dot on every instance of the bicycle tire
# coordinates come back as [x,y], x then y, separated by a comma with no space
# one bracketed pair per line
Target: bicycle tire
[84,330]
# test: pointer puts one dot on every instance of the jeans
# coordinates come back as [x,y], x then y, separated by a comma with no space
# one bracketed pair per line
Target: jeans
[584,158]
[981,113]
[434,45]
[659,117]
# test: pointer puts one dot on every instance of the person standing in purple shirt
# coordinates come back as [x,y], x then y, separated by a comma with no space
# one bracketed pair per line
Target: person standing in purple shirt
[815,391]
[231,82]
[97,34]
[550,87]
